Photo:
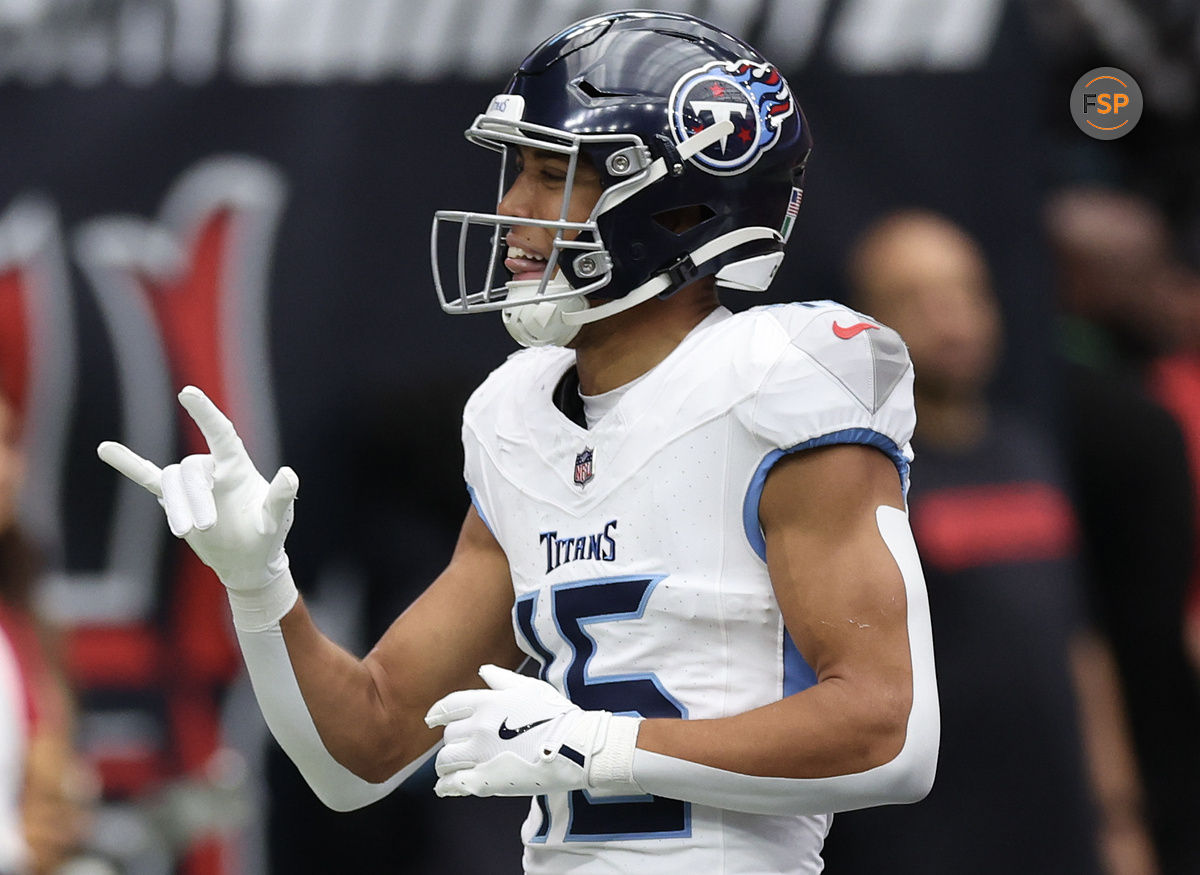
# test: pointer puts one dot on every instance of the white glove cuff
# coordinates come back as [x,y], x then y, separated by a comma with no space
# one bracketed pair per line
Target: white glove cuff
[610,772]
[255,610]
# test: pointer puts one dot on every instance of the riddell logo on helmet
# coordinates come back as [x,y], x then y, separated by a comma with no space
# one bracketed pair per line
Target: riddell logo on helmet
[753,96]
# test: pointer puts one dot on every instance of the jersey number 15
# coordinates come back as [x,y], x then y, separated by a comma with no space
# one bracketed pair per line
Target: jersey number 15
[574,607]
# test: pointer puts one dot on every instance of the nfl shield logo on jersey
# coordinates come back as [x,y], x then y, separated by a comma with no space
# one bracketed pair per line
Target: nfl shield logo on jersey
[583,467]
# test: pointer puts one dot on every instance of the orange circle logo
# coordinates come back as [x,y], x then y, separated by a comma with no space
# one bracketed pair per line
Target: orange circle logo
[1106,103]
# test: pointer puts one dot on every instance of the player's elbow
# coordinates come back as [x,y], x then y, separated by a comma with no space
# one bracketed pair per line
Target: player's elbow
[341,801]
[339,789]
[379,742]
[910,773]
[372,760]
[907,777]
[375,772]
[913,779]
[881,721]
[900,740]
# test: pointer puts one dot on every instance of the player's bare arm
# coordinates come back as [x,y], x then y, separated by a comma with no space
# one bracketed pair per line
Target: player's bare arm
[842,598]
[370,712]
[352,726]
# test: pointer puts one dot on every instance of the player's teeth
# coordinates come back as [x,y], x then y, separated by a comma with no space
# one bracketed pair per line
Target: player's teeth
[517,252]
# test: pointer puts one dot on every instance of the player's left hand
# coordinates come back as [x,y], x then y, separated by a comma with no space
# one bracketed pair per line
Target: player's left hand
[521,737]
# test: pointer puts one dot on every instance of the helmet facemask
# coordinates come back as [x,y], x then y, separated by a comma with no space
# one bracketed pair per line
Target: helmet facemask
[577,264]
[551,310]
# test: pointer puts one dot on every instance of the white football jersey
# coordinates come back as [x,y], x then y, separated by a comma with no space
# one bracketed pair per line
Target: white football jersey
[637,559]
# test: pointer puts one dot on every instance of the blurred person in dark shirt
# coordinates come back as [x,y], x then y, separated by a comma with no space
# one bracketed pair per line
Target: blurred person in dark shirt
[1036,773]
[1122,311]
[1174,380]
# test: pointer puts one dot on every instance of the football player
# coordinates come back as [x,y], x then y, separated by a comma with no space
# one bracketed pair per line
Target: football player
[689,524]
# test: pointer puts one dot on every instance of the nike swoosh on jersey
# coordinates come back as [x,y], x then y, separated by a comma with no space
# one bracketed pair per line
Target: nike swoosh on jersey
[850,331]
[506,733]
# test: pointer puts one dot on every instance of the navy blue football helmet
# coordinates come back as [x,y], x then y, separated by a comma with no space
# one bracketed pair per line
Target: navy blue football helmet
[675,115]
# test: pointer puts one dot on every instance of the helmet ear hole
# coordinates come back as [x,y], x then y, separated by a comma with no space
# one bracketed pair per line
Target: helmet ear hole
[677,220]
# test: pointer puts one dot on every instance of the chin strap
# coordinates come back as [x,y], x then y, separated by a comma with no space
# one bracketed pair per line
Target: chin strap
[556,322]
[656,285]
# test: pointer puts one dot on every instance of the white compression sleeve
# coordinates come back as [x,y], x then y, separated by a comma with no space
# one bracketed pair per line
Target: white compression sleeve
[283,707]
[907,778]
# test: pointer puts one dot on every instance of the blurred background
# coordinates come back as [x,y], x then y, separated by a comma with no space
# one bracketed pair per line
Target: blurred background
[238,194]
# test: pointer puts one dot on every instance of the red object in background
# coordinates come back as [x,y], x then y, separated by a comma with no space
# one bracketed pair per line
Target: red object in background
[171,664]
[14,334]
[970,526]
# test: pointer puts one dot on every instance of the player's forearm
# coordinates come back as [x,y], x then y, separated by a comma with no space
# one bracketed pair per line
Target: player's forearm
[781,759]
[832,728]
[371,734]
[808,754]
[832,747]
[368,714]
[275,678]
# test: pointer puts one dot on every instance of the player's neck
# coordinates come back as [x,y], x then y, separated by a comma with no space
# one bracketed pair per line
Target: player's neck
[619,349]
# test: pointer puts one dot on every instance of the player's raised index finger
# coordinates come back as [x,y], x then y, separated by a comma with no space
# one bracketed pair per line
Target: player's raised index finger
[219,433]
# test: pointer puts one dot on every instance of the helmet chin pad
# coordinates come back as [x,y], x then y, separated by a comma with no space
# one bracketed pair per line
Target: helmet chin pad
[750,274]
[540,322]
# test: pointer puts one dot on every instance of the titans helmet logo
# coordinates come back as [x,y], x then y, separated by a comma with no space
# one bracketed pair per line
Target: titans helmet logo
[753,96]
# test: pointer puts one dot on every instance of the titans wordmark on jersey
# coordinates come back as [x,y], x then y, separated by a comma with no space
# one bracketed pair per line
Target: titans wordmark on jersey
[644,589]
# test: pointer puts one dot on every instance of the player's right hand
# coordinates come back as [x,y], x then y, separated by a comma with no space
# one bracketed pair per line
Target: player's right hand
[233,519]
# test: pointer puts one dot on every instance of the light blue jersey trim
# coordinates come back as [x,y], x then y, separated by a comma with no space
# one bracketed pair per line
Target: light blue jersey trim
[543,830]
[866,436]
[479,508]
[797,674]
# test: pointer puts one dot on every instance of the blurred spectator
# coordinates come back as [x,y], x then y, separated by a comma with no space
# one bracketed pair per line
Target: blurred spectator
[1122,311]
[50,785]
[1158,43]
[1035,774]
[1175,382]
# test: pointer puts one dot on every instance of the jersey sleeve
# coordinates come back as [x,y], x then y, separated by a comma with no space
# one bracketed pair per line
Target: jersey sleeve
[474,455]
[837,377]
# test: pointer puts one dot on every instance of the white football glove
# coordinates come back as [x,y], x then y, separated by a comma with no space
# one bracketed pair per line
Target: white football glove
[521,737]
[233,519]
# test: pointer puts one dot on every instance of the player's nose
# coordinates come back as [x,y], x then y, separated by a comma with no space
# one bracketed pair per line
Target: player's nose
[518,200]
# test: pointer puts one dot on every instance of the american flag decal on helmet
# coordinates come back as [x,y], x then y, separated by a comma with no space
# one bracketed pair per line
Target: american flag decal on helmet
[793,208]
[583,467]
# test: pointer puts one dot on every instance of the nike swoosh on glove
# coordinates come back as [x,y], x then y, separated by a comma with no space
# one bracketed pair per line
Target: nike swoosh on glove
[521,737]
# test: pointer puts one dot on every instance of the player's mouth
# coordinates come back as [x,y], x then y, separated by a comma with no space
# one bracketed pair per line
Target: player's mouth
[524,265]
